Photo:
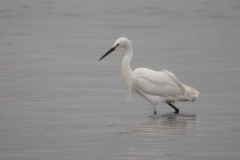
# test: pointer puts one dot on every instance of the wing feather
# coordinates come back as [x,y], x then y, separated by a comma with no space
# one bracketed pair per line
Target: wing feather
[156,83]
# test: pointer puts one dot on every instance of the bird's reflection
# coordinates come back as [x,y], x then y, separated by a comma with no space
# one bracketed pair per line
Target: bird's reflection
[173,120]
[157,124]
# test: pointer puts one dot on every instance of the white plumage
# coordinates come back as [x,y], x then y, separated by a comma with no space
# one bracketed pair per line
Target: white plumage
[155,86]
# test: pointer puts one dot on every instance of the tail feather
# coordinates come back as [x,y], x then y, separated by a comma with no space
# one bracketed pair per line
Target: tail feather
[192,93]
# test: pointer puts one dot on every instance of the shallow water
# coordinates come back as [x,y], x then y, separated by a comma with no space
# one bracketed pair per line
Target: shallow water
[59,102]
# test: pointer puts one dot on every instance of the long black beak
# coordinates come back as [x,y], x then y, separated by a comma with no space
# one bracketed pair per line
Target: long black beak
[108,52]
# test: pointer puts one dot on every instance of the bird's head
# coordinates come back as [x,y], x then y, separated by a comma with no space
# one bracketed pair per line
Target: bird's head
[120,43]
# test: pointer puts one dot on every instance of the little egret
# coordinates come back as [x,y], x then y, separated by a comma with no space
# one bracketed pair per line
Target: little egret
[155,86]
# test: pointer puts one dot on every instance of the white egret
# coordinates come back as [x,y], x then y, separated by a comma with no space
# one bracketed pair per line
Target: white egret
[155,86]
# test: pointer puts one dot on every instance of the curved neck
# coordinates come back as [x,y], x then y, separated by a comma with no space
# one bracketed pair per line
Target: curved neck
[126,70]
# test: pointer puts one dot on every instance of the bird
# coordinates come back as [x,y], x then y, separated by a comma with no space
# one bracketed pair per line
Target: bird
[154,86]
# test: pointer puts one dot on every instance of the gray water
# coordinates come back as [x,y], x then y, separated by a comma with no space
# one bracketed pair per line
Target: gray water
[59,102]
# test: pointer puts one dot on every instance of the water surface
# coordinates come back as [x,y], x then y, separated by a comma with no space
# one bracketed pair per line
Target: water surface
[59,102]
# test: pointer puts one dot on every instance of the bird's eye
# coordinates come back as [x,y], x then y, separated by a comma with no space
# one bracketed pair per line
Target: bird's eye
[118,44]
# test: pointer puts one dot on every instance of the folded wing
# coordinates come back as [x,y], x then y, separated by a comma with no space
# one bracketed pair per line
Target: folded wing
[156,83]
[163,83]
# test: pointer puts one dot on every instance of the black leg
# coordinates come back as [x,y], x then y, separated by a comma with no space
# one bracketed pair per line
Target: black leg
[176,109]
[155,112]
